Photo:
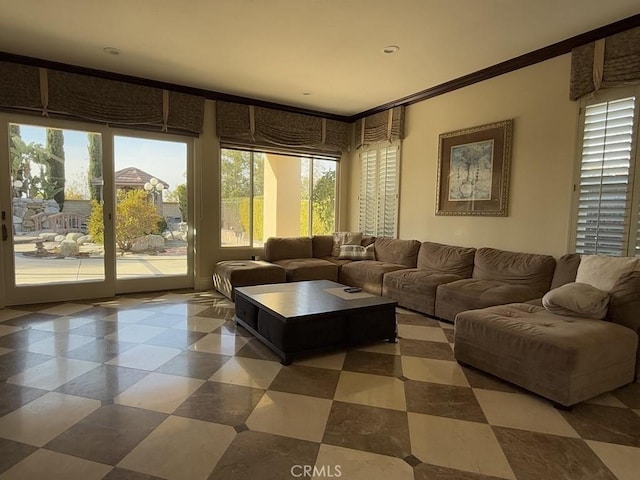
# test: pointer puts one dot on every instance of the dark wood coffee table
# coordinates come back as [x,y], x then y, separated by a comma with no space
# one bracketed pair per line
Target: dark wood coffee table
[300,318]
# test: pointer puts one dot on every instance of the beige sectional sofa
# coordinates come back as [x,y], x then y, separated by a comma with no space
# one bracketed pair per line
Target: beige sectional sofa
[566,358]
[494,297]
[431,278]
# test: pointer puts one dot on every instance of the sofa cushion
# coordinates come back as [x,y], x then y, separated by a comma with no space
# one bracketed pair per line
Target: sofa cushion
[336,261]
[230,274]
[578,300]
[566,270]
[415,288]
[472,293]
[446,259]
[400,252]
[299,269]
[566,359]
[278,248]
[624,306]
[344,238]
[357,252]
[530,269]
[367,274]
[603,272]
[624,303]
[322,245]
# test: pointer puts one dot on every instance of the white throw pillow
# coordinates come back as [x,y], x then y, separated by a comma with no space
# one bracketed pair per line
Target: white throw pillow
[577,299]
[603,272]
[344,238]
[357,252]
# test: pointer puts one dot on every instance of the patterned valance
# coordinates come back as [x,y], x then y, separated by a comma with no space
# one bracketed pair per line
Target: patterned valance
[264,127]
[610,62]
[83,97]
[380,127]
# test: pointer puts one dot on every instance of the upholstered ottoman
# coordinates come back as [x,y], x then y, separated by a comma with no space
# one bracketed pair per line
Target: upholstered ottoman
[565,359]
[244,273]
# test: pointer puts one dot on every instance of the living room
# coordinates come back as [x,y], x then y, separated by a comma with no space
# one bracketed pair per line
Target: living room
[200,388]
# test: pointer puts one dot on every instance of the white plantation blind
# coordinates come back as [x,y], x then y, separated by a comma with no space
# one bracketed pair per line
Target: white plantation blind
[379,177]
[368,194]
[388,192]
[604,204]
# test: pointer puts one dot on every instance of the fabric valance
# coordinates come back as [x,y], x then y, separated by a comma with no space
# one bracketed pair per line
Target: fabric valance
[259,126]
[75,96]
[610,62]
[19,87]
[380,127]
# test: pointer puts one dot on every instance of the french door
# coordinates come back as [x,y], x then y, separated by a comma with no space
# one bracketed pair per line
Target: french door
[89,211]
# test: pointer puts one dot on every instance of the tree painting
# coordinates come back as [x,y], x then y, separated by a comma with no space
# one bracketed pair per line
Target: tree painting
[471,171]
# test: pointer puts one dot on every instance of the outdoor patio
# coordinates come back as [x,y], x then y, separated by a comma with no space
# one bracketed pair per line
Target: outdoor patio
[89,265]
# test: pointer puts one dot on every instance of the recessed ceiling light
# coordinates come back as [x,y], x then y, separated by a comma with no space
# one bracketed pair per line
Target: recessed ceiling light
[307,92]
[111,50]
[390,49]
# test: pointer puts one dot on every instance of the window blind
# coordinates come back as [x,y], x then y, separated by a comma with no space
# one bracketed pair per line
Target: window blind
[379,191]
[604,205]
[368,187]
[388,192]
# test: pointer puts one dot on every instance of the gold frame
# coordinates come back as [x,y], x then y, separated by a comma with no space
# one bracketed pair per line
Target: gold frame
[473,170]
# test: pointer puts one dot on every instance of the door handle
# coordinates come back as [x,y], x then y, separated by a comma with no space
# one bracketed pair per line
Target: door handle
[5,235]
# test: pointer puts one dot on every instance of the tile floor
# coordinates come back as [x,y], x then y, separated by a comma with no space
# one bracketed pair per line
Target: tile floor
[166,386]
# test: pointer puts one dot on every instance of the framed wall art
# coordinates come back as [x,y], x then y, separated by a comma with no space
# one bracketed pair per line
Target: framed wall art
[473,170]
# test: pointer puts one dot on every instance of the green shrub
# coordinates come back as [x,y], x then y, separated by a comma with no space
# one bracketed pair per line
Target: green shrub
[135,217]
[161,225]
[95,226]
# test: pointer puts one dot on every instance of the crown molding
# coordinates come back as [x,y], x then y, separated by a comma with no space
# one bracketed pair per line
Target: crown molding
[531,58]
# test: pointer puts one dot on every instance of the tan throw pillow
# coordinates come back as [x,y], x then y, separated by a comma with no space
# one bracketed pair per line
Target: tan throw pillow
[357,252]
[577,300]
[603,272]
[344,238]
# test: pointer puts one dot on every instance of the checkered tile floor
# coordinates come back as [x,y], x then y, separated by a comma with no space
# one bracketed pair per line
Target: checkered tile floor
[166,386]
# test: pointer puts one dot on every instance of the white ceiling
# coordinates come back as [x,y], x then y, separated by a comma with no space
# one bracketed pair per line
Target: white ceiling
[275,50]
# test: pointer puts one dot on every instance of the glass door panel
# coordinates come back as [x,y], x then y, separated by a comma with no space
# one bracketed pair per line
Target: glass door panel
[151,232]
[56,228]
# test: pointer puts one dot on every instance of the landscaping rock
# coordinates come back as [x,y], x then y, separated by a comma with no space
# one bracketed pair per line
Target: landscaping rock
[69,248]
[84,239]
[155,241]
[48,237]
[140,244]
[74,236]
[59,238]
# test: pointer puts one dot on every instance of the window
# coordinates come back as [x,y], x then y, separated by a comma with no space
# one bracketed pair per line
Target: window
[607,192]
[268,194]
[379,190]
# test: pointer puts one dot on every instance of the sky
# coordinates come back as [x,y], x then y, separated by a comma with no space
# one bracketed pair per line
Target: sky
[165,160]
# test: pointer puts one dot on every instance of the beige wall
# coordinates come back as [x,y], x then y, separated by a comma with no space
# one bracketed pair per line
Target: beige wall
[536,98]
[282,196]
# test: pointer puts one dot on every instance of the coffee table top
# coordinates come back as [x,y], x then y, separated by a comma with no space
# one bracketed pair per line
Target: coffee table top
[314,297]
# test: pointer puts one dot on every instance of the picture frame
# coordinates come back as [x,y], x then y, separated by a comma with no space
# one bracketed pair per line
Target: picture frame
[473,170]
